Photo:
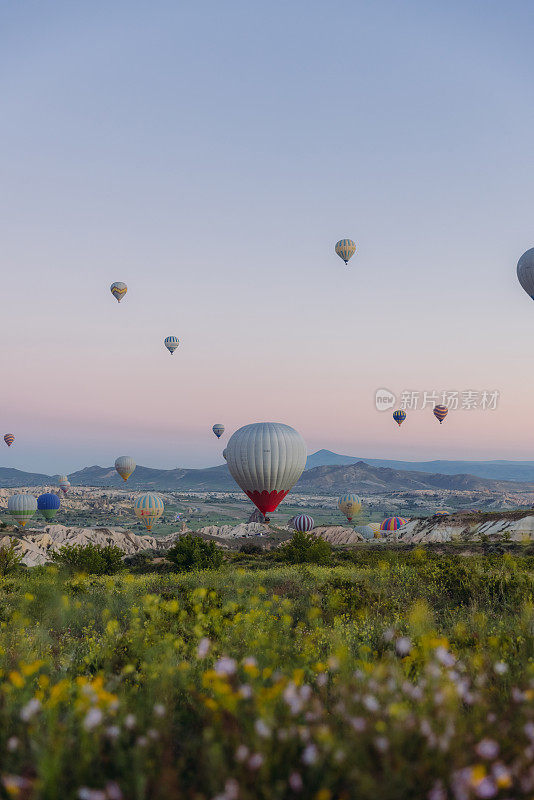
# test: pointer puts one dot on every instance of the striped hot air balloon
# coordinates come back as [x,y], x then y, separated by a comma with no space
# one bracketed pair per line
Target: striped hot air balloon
[375,527]
[266,459]
[303,523]
[440,412]
[350,505]
[393,523]
[64,483]
[218,430]
[9,439]
[118,290]
[148,508]
[171,343]
[48,504]
[125,465]
[22,507]
[399,416]
[345,249]
[441,514]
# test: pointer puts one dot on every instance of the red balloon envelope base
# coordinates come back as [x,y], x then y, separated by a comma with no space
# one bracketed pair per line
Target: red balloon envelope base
[266,501]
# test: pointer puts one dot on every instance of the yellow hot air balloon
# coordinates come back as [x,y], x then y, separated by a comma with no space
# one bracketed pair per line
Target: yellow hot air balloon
[148,508]
[350,505]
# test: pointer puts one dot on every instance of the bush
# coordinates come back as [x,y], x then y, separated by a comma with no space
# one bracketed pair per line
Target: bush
[304,548]
[93,559]
[192,552]
[9,559]
[251,549]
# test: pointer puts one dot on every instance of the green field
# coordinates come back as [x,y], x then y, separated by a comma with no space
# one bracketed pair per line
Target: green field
[394,675]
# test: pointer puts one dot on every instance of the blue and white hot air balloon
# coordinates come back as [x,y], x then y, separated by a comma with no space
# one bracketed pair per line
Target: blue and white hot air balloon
[345,249]
[218,430]
[148,508]
[303,523]
[48,504]
[171,343]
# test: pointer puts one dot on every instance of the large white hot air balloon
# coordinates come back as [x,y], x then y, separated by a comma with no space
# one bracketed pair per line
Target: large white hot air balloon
[22,507]
[525,272]
[266,459]
[125,465]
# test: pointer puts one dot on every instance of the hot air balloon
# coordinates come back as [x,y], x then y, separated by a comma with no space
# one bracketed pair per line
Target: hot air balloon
[393,523]
[441,514]
[525,272]
[149,507]
[22,507]
[118,290]
[224,453]
[266,459]
[64,483]
[349,504]
[440,412]
[125,465]
[367,531]
[399,417]
[171,343]
[48,505]
[303,523]
[375,526]
[218,430]
[9,439]
[345,249]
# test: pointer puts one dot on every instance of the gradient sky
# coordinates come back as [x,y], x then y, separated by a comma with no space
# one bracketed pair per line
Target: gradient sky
[210,155]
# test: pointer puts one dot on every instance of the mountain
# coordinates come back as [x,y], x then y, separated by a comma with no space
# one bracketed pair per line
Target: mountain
[10,477]
[497,470]
[215,479]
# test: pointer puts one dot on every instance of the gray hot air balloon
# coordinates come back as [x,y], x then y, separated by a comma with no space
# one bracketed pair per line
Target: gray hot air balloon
[22,507]
[366,531]
[125,465]
[525,271]
[266,459]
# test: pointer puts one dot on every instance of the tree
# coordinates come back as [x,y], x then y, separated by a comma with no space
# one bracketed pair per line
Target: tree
[305,548]
[192,552]
[92,559]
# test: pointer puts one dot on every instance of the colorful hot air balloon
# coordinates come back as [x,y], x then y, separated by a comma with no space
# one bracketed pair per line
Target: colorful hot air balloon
[399,417]
[218,430]
[118,290]
[64,483]
[148,508]
[303,523]
[349,504]
[266,459]
[441,514]
[440,412]
[171,343]
[375,527]
[9,439]
[125,465]
[525,272]
[22,507]
[48,504]
[393,523]
[367,531]
[345,249]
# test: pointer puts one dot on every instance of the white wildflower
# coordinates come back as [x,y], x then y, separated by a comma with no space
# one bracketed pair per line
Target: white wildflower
[30,709]
[203,647]
[92,719]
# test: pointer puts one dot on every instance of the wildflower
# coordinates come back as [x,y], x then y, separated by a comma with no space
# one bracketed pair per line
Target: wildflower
[130,721]
[321,679]
[203,647]
[113,791]
[85,793]
[370,703]
[444,657]
[310,754]
[241,754]
[245,691]
[159,710]
[12,744]
[250,662]
[486,789]
[403,645]
[153,734]
[142,741]
[295,782]
[14,784]
[255,761]
[93,718]
[262,729]
[502,776]
[437,792]
[381,744]
[231,789]
[487,749]
[113,732]
[358,723]
[30,709]
[500,667]
[225,666]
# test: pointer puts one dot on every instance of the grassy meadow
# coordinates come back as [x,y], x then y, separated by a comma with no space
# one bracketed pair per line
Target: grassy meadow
[389,675]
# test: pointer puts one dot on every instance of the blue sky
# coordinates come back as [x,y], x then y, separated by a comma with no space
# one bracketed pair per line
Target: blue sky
[210,155]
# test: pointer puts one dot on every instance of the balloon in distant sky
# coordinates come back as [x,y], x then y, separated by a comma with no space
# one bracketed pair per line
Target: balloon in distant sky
[393,523]
[171,343]
[118,290]
[64,483]
[148,508]
[22,507]
[9,439]
[48,505]
[218,430]
[349,504]
[399,417]
[266,459]
[303,523]
[525,272]
[345,249]
[440,412]
[125,465]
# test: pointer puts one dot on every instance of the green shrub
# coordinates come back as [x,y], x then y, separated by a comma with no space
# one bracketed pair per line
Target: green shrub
[304,548]
[9,559]
[192,552]
[93,559]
